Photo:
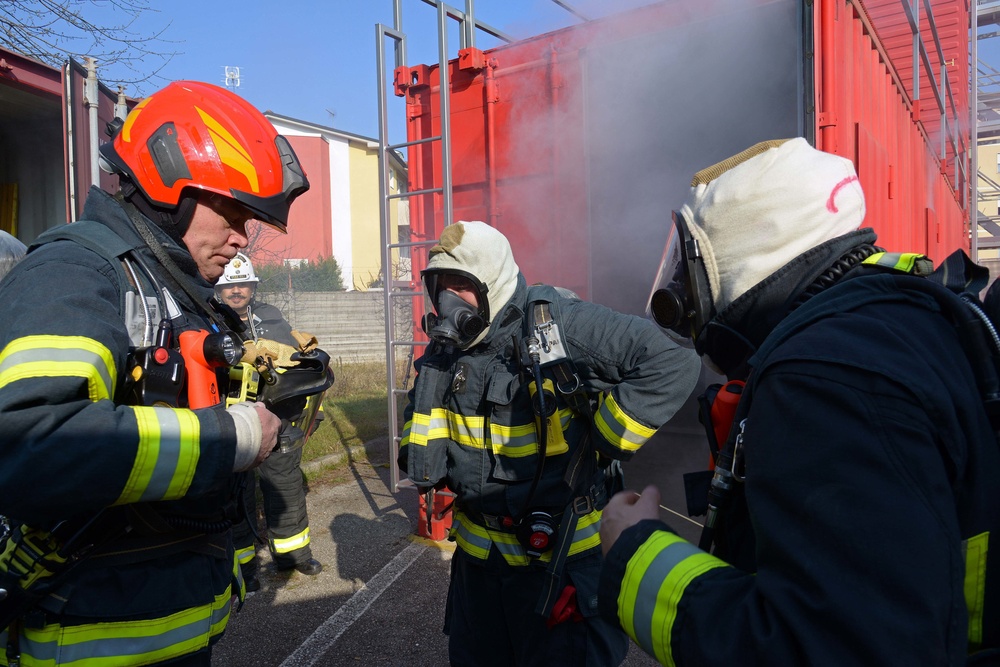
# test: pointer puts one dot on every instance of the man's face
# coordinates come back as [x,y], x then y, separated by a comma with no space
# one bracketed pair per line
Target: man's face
[461,286]
[237,295]
[217,232]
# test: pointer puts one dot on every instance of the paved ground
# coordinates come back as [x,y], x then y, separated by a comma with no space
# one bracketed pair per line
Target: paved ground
[380,599]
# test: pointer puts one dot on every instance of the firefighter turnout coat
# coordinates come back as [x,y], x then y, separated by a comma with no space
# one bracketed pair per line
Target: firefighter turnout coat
[71,448]
[867,458]
[280,477]
[470,425]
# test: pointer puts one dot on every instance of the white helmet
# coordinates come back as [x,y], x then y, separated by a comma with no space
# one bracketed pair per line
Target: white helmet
[239,270]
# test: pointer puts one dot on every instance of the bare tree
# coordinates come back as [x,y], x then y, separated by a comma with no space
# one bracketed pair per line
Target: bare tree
[106,30]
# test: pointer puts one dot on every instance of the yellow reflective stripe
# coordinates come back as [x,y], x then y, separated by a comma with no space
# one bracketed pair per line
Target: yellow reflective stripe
[513,441]
[976,549]
[283,546]
[654,583]
[246,554]
[618,428]
[419,426]
[476,540]
[465,430]
[405,440]
[165,462]
[126,642]
[60,356]
[900,261]
[471,538]
[241,592]
[522,439]
[588,533]
[445,424]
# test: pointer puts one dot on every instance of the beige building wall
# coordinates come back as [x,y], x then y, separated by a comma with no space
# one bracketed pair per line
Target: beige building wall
[989,198]
[355,203]
[365,222]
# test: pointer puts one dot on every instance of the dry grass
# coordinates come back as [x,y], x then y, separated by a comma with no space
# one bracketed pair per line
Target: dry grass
[356,411]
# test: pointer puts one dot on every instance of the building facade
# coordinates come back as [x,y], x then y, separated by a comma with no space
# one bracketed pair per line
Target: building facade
[339,215]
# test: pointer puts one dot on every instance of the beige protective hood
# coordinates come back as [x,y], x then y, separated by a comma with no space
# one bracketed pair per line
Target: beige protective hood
[758,210]
[476,248]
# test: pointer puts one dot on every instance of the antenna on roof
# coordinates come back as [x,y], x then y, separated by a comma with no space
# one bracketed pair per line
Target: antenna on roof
[232,79]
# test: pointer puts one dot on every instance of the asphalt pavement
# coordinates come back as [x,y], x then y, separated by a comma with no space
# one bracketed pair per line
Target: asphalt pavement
[380,598]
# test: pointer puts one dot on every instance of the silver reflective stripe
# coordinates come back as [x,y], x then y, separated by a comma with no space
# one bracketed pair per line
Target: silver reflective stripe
[466,534]
[513,446]
[168,455]
[648,593]
[57,355]
[586,532]
[624,438]
[102,649]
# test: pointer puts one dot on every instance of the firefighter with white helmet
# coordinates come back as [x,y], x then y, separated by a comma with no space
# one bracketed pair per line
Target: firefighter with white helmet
[280,475]
[118,484]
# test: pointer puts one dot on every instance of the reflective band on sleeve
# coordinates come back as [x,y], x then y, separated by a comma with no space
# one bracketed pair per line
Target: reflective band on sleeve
[444,424]
[619,429]
[288,544]
[60,356]
[165,463]
[976,549]
[654,584]
[405,440]
[127,642]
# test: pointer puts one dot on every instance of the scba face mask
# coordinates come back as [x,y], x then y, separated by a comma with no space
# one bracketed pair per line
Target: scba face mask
[680,300]
[456,322]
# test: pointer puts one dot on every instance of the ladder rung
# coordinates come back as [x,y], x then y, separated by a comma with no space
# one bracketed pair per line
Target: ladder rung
[425,140]
[411,244]
[409,343]
[402,195]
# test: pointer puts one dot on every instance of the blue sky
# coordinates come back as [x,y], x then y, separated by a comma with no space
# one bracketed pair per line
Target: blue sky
[316,61]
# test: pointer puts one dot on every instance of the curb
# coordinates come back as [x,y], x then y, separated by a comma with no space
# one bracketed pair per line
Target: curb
[358,451]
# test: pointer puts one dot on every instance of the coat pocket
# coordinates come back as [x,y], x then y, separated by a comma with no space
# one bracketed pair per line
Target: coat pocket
[511,439]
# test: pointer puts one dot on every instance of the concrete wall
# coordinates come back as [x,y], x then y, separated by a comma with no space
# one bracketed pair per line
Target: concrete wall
[350,326]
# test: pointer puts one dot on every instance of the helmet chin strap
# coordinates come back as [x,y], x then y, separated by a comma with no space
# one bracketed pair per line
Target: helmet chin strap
[174,222]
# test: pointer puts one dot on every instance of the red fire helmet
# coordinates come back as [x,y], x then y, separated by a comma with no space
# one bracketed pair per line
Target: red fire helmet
[198,135]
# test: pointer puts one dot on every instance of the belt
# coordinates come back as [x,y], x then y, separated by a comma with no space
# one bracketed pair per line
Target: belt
[596,498]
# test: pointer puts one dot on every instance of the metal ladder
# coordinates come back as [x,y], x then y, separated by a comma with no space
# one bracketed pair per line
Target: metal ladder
[394,291]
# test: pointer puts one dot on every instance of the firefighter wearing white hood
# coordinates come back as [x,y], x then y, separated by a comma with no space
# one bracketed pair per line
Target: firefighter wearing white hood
[855,502]
[529,498]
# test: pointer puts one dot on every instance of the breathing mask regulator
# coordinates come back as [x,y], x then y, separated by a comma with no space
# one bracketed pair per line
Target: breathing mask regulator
[681,301]
[456,322]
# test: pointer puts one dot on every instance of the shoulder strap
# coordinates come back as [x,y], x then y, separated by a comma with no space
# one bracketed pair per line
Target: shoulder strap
[542,318]
[97,238]
[88,233]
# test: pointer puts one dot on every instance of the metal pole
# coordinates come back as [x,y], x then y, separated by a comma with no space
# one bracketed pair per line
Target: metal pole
[383,188]
[90,94]
[469,25]
[445,103]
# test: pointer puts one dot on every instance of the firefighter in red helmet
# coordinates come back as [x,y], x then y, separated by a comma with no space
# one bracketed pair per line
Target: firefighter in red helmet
[118,491]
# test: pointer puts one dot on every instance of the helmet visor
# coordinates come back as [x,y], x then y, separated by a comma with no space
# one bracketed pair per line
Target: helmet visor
[273,210]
